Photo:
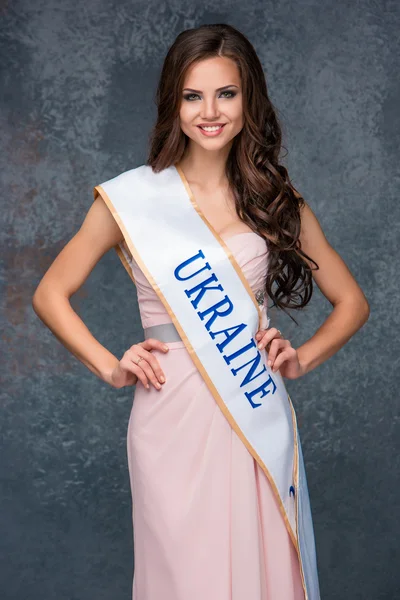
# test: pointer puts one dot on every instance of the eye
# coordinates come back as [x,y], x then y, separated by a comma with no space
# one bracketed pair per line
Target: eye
[232,94]
[190,96]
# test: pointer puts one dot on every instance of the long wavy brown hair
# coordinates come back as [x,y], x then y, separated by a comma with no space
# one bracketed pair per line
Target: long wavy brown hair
[264,196]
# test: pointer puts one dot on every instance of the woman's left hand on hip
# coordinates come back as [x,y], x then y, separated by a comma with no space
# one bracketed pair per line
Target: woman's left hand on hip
[281,354]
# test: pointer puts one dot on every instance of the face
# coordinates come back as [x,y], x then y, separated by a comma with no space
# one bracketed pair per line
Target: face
[212,96]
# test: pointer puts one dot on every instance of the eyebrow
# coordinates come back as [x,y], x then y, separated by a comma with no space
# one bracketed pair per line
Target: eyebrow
[217,90]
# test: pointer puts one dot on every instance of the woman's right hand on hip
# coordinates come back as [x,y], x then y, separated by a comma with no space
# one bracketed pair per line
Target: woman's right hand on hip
[139,363]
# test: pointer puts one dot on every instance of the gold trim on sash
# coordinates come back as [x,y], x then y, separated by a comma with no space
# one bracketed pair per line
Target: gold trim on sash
[124,261]
[98,191]
[296,479]
[134,252]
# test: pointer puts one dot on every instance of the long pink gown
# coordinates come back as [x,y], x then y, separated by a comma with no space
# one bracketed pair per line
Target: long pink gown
[206,522]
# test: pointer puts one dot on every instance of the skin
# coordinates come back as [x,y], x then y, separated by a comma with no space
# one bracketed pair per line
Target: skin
[204,167]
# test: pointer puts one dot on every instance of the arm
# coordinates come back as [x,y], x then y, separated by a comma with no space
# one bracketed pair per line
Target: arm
[334,279]
[98,233]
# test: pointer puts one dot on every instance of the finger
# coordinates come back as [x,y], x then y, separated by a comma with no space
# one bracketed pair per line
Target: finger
[276,345]
[154,364]
[260,333]
[286,354]
[146,367]
[268,337]
[144,349]
[152,367]
[129,365]
[145,373]
[153,344]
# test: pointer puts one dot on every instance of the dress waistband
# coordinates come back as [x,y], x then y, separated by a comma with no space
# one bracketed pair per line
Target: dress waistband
[165,332]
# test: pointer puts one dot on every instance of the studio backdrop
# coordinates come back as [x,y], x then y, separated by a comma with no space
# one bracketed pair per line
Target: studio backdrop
[77,104]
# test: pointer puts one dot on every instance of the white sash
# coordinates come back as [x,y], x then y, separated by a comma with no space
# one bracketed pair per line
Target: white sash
[217,316]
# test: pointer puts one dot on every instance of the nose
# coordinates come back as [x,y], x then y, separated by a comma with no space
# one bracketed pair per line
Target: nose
[209,108]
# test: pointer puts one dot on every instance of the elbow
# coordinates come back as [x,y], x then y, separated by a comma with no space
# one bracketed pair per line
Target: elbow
[361,307]
[358,306]
[45,298]
[364,310]
[367,311]
[38,300]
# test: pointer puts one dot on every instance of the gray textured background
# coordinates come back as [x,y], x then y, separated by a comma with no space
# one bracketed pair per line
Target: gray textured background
[77,88]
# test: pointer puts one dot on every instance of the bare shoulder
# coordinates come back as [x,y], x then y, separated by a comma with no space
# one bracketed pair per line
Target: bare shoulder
[333,276]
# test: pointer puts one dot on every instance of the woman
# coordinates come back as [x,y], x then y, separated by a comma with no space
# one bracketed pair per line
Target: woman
[220,501]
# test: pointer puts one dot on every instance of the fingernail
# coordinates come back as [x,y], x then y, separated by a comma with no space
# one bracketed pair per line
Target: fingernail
[147,385]
[166,347]
[259,345]
[269,363]
[162,379]
[158,386]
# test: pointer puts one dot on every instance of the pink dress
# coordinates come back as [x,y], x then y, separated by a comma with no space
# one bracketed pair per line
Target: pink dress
[206,522]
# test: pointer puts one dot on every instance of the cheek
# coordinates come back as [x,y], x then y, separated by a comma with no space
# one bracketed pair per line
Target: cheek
[184,118]
[237,112]
[187,113]
[238,122]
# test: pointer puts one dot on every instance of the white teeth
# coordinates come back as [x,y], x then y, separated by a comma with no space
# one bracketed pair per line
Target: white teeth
[215,128]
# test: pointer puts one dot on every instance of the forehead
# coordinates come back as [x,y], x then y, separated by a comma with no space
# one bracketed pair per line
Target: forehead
[212,73]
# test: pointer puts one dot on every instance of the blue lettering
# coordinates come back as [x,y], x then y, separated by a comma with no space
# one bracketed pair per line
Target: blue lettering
[254,362]
[202,289]
[187,262]
[213,309]
[229,337]
[229,358]
[262,387]
[224,308]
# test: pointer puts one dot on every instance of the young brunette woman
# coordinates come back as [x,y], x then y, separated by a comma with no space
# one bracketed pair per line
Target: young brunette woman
[208,229]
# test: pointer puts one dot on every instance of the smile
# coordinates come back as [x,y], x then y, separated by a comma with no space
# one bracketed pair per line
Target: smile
[211,130]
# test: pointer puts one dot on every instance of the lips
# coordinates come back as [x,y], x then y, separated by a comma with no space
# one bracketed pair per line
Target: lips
[213,133]
[202,125]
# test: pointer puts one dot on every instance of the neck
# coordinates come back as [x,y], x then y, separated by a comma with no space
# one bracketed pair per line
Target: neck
[204,167]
